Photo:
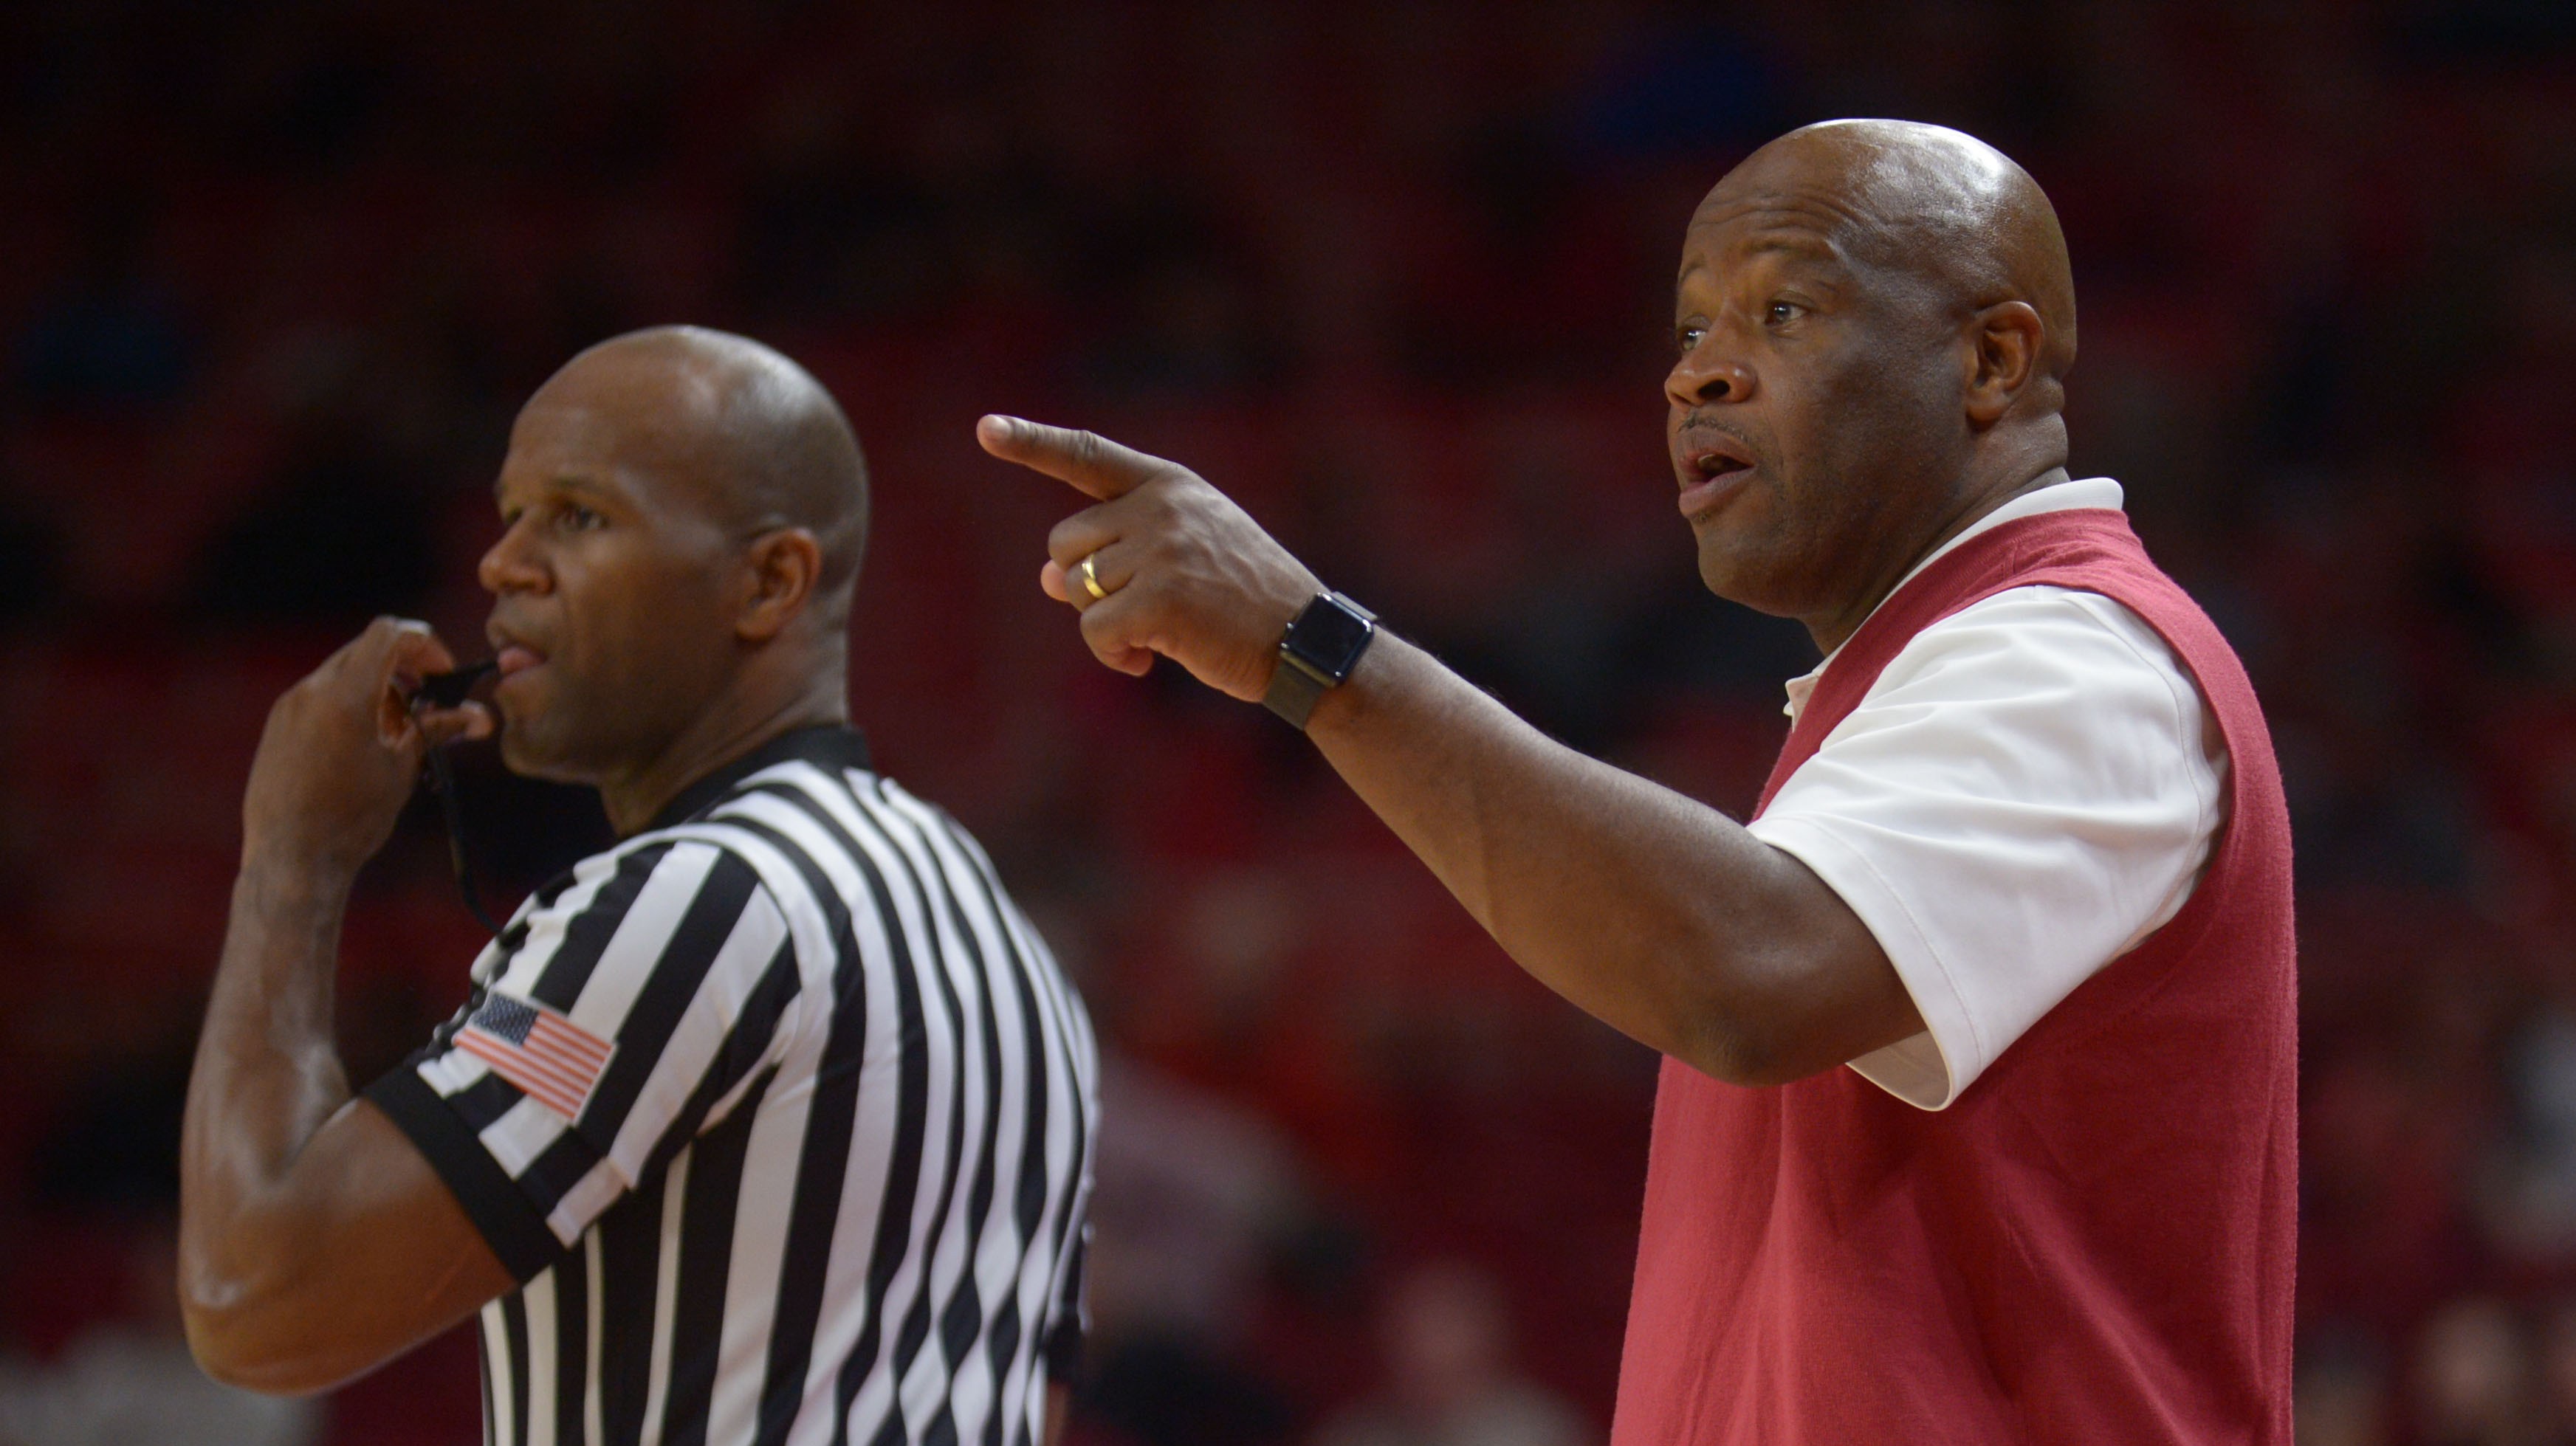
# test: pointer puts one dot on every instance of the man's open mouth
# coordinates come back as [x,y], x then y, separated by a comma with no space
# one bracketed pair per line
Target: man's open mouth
[510,653]
[1709,472]
[1709,464]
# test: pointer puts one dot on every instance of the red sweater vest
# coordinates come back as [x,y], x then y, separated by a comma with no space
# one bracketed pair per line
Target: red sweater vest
[2095,1242]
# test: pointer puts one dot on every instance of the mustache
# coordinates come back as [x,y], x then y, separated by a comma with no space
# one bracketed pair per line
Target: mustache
[1696,425]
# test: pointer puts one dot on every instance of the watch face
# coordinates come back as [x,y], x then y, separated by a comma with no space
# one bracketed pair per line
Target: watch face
[1329,635]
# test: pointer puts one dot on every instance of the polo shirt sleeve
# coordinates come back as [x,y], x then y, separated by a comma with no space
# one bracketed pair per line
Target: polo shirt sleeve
[626,1009]
[2029,789]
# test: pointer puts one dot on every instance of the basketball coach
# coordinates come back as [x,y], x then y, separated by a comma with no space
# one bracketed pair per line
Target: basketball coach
[1977,1120]
[772,1123]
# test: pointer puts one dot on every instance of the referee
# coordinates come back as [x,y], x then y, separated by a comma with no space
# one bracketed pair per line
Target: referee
[772,1123]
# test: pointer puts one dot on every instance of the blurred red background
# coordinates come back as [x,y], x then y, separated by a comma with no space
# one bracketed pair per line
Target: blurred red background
[1397,277]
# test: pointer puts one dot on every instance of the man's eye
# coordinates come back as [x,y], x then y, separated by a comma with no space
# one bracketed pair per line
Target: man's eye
[578,519]
[1687,336]
[1781,313]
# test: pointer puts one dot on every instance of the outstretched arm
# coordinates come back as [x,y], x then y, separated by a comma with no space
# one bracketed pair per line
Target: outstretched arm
[1650,911]
[314,1241]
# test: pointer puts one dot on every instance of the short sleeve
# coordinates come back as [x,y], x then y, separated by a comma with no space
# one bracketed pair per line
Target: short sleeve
[625,1010]
[2028,790]
[1069,1315]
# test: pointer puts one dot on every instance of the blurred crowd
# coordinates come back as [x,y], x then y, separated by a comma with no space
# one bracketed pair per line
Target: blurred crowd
[1396,276]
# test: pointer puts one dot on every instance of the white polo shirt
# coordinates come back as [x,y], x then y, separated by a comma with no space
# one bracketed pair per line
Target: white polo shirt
[2027,792]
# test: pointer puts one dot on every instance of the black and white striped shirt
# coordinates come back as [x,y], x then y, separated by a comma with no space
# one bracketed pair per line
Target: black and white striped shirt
[782,1116]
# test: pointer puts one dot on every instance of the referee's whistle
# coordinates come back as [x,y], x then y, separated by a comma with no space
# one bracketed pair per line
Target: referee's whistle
[447,690]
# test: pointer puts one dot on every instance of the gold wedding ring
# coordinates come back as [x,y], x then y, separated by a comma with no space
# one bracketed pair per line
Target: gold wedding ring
[1091,578]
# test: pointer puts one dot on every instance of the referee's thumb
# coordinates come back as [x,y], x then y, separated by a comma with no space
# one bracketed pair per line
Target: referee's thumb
[464,721]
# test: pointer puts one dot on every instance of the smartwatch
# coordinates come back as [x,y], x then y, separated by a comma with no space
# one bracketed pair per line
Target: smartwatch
[1321,648]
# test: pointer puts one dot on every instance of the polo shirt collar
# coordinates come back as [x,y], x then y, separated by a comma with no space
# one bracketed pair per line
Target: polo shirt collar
[2064,496]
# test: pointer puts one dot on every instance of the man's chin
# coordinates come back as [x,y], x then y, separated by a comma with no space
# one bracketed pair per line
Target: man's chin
[1761,583]
[526,752]
[1744,580]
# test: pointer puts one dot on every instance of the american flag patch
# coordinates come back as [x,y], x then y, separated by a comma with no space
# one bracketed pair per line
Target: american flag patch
[551,1059]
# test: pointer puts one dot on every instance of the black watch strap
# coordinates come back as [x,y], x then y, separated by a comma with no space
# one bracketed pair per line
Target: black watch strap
[1321,648]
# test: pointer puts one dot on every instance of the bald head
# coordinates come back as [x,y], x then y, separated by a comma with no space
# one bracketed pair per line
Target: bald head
[762,443]
[1937,203]
[682,518]
[1875,320]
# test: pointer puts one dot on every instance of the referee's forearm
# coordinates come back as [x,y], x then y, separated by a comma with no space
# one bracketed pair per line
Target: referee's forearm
[267,1076]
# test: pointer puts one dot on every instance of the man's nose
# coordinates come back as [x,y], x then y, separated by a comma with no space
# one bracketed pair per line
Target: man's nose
[1705,374]
[509,566]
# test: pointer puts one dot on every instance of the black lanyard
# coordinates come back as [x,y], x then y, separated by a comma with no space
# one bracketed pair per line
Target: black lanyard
[447,690]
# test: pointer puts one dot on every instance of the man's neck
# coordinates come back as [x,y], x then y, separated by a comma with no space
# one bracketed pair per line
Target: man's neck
[1975,504]
[634,799]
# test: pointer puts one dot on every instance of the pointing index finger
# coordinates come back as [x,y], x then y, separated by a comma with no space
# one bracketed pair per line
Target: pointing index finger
[1089,462]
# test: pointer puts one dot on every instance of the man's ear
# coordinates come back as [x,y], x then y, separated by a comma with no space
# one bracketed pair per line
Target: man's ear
[2004,344]
[784,566]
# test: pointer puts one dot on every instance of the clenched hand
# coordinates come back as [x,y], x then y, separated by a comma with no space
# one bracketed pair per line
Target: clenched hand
[342,750]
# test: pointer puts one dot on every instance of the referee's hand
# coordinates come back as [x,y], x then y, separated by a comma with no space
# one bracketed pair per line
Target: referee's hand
[343,749]
[1180,569]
